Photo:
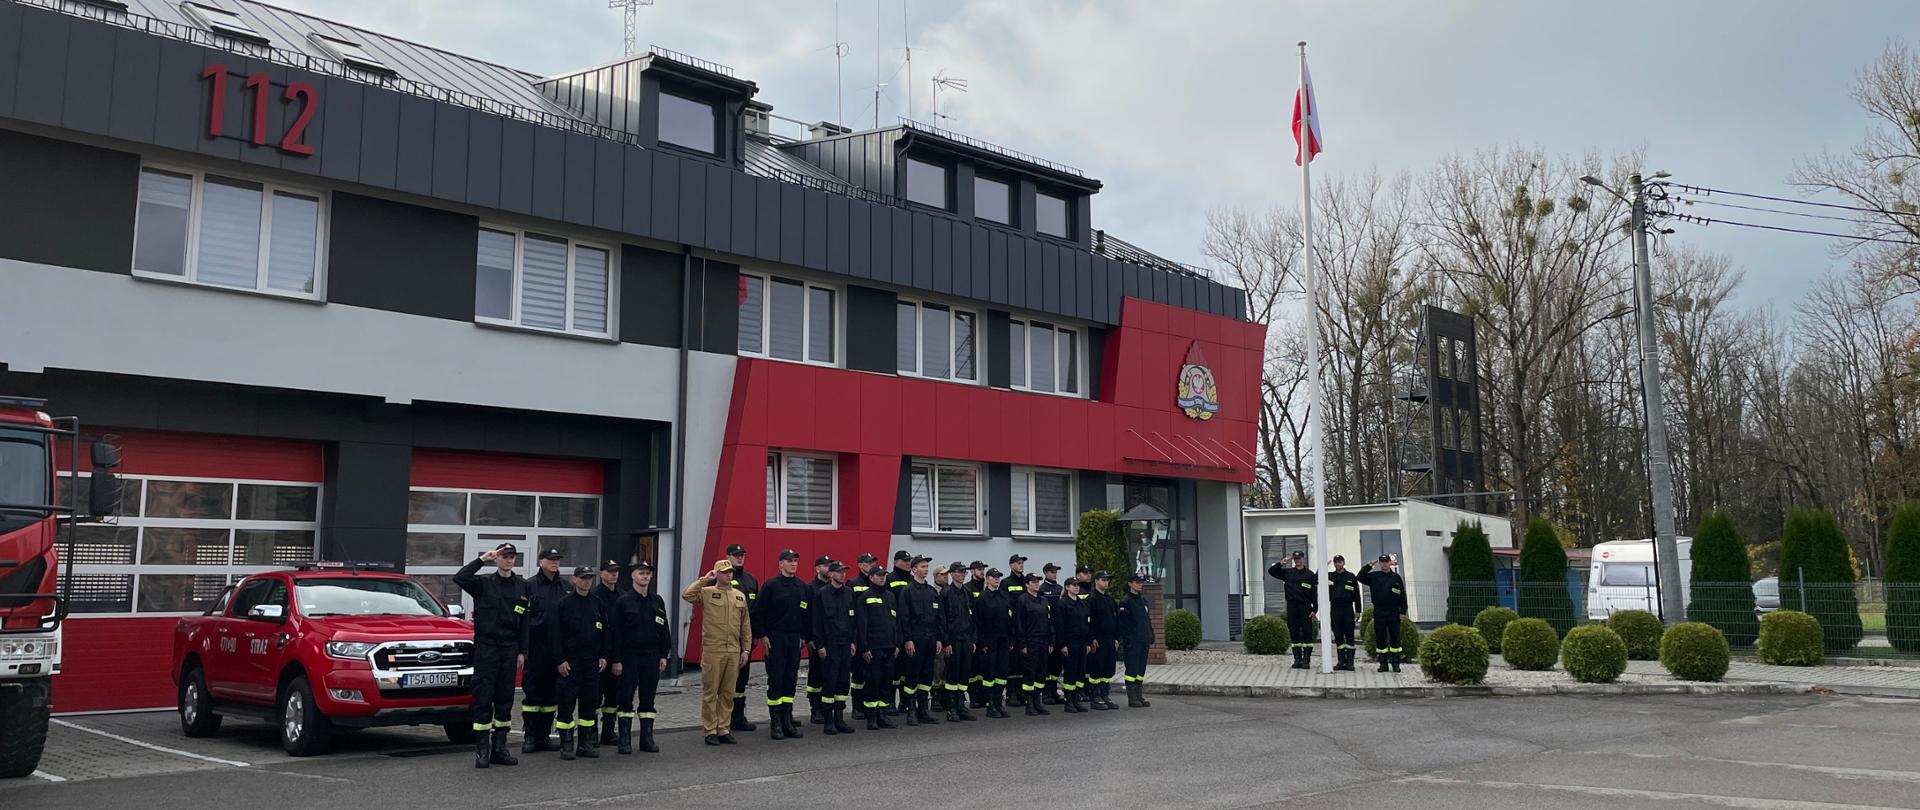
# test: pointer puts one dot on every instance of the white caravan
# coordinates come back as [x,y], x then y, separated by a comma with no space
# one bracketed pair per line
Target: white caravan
[1622,577]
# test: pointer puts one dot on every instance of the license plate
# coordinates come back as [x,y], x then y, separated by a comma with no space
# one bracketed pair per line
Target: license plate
[430,679]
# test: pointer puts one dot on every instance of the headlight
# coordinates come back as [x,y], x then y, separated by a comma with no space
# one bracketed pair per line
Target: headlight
[354,650]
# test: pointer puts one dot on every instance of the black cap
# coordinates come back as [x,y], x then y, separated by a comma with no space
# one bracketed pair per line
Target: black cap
[736,548]
[1386,558]
[506,549]
[1016,559]
[610,565]
[867,557]
[823,560]
[1339,558]
[901,555]
[956,567]
[919,560]
[836,565]
[1135,577]
[582,571]
[1071,583]
[1298,555]
[1050,567]
[876,571]
[1099,575]
[994,573]
[551,554]
[789,554]
[1081,569]
[976,565]
[1033,578]
[643,566]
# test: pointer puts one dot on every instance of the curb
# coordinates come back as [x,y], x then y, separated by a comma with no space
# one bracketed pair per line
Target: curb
[1584,689]
[1843,661]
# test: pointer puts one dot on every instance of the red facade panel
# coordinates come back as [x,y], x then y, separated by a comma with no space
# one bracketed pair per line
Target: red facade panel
[461,470]
[202,455]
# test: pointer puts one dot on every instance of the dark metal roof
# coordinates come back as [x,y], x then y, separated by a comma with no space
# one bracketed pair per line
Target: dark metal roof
[764,159]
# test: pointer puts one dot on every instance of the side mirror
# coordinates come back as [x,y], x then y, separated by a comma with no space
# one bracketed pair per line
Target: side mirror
[272,613]
[456,610]
[103,496]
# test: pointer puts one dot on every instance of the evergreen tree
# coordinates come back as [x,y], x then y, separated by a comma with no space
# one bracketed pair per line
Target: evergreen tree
[1544,591]
[1903,578]
[1470,585]
[1722,590]
[1814,551]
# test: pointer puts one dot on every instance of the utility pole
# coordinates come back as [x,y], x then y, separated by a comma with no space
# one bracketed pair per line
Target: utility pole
[1666,544]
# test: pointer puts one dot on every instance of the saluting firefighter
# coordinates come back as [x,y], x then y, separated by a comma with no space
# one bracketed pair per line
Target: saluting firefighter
[1033,632]
[1105,615]
[1050,589]
[1136,637]
[607,590]
[750,588]
[1298,582]
[1015,584]
[781,616]
[858,583]
[956,620]
[920,621]
[878,637]
[815,660]
[1389,595]
[499,648]
[1073,639]
[835,634]
[994,625]
[726,639]
[642,642]
[538,700]
[580,644]
[1344,601]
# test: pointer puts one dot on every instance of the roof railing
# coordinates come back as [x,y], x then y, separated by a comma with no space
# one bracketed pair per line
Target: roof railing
[990,147]
[694,61]
[1113,247]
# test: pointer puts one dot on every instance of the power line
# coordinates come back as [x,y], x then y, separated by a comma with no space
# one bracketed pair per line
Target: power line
[1881,211]
[1694,220]
[1691,201]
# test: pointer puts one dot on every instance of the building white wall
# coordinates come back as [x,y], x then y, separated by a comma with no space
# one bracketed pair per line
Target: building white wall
[1426,530]
[1217,508]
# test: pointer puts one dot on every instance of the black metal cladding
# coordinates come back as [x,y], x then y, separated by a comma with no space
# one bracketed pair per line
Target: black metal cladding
[55,68]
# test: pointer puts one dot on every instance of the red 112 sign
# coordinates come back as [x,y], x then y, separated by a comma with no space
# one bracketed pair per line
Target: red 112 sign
[293,142]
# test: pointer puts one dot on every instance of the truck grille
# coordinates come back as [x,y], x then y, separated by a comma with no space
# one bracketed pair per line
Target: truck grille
[412,656]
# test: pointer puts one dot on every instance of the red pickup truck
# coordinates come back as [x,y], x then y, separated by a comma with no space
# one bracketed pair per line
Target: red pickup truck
[322,647]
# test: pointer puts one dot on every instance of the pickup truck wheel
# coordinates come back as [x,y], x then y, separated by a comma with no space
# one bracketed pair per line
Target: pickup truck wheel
[196,706]
[461,732]
[304,731]
[24,708]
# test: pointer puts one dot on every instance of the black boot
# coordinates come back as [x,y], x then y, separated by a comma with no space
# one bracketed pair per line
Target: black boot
[623,736]
[533,732]
[1105,692]
[500,754]
[880,714]
[1033,708]
[1396,662]
[1133,696]
[646,736]
[955,707]
[907,704]
[482,748]
[837,721]
[996,708]
[1140,689]
[826,722]
[816,715]
[608,735]
[922,708]
[961,709]
[873,721]
[1382,657]
[1038,705]
[779,729]
[566,743]
[1346,659]
[793,727]
[1050,696]
[589,745]
[740,716]
[977,697]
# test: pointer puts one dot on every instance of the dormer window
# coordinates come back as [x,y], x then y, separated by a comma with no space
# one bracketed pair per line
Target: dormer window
[927,183]
[992,200]
[687,123]
[1050,215]
[223,22]
[351,54]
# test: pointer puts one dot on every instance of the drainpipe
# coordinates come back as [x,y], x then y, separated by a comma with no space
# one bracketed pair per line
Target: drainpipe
[678,521]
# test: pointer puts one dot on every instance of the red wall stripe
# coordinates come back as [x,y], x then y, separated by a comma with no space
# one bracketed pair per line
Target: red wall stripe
[206,455]
[463,470]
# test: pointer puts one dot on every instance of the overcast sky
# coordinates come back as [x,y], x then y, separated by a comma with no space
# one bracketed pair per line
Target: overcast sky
[1179,106]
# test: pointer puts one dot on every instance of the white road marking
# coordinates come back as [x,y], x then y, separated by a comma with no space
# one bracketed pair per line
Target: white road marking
[161,748]
[49,777]
[1844,773]
[1743,802]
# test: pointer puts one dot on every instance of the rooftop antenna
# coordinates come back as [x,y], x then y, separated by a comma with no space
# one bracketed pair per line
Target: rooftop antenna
[877,52]
[906,43]
[840,50]
[942,80]
[632,7]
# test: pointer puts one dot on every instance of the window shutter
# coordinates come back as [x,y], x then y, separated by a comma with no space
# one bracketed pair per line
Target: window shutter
[809,491]
[1053,508]
[959,499]
[753,296]
[293,243]
[773,488]
[590,289]
[543,282]
[493,287]
[906,325]
[1022,502]
[785,336]
[161,244]
[229,233]
[921,491]
[819,324]
[936,342]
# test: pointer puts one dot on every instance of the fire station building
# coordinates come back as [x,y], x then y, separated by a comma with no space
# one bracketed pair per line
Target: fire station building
[338,295]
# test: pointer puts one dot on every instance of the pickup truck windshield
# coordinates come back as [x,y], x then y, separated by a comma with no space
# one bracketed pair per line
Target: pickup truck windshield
[23,478]
[354,596]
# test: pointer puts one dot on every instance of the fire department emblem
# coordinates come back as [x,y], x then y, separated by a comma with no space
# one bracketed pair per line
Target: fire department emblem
[1194,390]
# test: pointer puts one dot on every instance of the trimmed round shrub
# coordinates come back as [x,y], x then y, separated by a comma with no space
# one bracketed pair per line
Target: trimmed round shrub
[1593,653]
[1530,644]
[1183,630]
[1266,635]
[1640,630]
[1695,651]
[1409,637]
[1791,638]
[1454,654]
[1492,624]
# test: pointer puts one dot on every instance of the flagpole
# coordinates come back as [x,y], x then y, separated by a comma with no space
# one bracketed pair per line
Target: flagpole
[1314,437]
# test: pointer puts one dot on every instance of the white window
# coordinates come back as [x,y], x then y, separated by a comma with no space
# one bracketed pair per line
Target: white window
[787,320]
[543,282]
[352,54]
[222,21]
[926,183]
[175,543]
[801,490]
[1043,502]
[1050,215]
[686,122]
[227,232]
[992,200]
[934,340]
[448,527]
[1046,358]
[946,497]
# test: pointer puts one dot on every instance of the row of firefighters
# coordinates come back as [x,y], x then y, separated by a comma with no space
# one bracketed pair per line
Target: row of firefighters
[1385,589]
[881,643]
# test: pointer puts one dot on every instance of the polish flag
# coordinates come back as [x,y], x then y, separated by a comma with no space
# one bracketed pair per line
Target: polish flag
[1306,105]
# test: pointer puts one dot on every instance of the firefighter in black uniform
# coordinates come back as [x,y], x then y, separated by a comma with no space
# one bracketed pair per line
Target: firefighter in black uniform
[642,640]
[537,700]
[878,636]
[781,614]
[1033,640]
[746,584]
[1343,599]
[1050,589]
[956,621]
[1388,593]
[993,624]
[499,647]
[579,641]
[815,660]
[1015,584]
[834,635]
[897,580]
[1299,583]
[1136,632]
[920,618]
[858,583]
[1104,612]
[607,590]
[976,689]
[1073,639]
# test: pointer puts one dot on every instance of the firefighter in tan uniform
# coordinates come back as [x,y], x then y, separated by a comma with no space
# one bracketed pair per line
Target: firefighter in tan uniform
[726,639]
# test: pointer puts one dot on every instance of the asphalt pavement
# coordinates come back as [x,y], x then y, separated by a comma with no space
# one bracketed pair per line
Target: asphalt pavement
[1780,752]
